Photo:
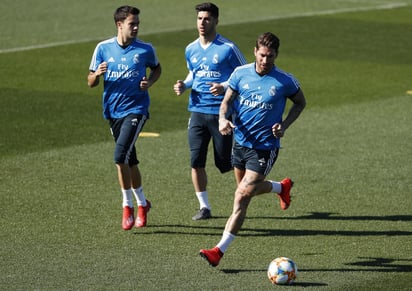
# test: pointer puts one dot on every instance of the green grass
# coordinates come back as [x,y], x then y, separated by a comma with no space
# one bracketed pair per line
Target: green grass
[349,226]
[42,23]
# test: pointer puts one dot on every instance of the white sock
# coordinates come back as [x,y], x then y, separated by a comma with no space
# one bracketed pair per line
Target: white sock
[225,241]
[203,199]
[276,187]
[127,197]
[140,198]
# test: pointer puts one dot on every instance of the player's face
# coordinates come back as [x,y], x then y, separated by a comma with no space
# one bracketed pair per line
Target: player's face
[130,26]
[265,59]
[206,24]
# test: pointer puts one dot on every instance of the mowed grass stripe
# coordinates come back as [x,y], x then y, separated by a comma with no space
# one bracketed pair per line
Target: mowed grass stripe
[349,224]
[339,172]
[350,134]
[69,29]
[239,19]
[340,68]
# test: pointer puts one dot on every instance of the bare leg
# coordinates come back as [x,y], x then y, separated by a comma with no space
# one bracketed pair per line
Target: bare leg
[239,175]
[136,177]
[199,179]
[250,185]
[124,176]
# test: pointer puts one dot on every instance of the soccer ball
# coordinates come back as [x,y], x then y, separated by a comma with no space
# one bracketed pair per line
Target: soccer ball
[282,271]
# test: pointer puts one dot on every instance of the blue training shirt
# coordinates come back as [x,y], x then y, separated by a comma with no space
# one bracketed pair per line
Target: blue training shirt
[260,104]
[126,68]
[213,63]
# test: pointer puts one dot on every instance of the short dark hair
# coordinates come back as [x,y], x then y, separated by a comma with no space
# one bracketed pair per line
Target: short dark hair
[122,12]
[269,40]
[209,7]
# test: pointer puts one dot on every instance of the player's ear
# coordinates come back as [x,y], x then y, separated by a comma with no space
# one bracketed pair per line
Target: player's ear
[216,20]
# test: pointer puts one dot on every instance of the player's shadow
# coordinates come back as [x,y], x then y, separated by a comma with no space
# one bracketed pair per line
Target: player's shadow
[384,264]
[300,284]
[202,230]
[256,232]
[335,216]
[247,232]
[363,264]
[370,264]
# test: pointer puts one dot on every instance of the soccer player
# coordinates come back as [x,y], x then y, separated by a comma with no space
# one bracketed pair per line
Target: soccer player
[257,95]
[122,61]
[211,59]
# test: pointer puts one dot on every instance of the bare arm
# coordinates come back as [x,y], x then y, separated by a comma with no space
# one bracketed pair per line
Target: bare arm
[226,126]
[299,103]
[154,75]
[94,77]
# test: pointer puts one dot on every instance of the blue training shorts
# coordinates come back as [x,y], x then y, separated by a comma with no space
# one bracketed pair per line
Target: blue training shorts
[125,132]
[201,129]
[259,161]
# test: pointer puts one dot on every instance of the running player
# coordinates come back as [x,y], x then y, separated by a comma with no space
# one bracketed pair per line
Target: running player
[122,62]
[257,95]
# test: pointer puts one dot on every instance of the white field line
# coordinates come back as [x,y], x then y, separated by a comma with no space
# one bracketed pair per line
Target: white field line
[308,14]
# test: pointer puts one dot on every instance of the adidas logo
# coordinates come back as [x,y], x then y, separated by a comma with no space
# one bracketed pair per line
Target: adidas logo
[262,161]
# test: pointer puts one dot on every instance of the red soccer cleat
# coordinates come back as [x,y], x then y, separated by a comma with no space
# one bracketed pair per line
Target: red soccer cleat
[284,196]
[128,217]
[141,218]
[213,256]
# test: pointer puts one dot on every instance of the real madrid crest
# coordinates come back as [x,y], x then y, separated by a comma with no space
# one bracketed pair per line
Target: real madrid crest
[272,91]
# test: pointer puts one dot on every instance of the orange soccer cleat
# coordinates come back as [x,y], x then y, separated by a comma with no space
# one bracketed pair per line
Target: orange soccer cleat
[142,211]
[213,256]
[284,196]
[128,218]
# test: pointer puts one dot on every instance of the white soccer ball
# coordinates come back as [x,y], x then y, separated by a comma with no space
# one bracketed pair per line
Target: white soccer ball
[282,271]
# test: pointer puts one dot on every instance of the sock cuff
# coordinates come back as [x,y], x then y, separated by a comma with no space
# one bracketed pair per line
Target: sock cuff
[228,234]
[276,186]
[127,191]
[138,190]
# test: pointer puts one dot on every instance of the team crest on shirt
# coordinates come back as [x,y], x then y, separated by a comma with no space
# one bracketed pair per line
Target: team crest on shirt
[215,59]
[136,58]
[272,91]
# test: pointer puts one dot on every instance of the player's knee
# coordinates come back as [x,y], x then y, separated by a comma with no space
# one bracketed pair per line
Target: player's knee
[120,158]
[243,196]
[124,158]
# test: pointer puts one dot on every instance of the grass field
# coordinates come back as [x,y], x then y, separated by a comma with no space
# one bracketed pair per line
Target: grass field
[349,226]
